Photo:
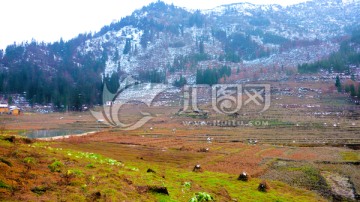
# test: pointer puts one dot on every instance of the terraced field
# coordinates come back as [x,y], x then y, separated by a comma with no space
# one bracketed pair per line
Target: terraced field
[306,143]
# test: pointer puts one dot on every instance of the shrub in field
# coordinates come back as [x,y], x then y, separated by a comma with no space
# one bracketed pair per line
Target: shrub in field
[39,190]
[264,186]
[197,168]
[71,174]
[96,157]
[150,171]
[29,161]
[84,187]
[15,153]
[201,197]
[2,160]
[75,172]
[203,150]
[154,189]
[95,196]
[4,185]
[132,168]
[183,148]
[90,165]
[56,166]
[27,140]
[159,189]
[244,177]
[187,185]
[10,139]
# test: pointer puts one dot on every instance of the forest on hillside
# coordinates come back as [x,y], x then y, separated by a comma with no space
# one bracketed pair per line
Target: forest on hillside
[349,54]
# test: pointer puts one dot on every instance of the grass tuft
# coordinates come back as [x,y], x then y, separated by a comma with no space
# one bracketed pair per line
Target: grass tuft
[350,156]
[56,166]
[4,185]
[2,160]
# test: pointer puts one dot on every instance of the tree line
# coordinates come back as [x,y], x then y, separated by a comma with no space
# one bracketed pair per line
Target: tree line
[338,61]
[212,76]
[49,74]
[350,87]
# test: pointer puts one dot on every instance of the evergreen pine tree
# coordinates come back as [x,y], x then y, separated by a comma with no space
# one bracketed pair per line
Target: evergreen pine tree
[201,47]
[127,47]
[353,77]
[352,90]
[338,83]
[116,55]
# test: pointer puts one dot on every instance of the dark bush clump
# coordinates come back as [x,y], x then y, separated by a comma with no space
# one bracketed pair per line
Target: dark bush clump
[56,166]
[264,186]
[150,171]
[244,177]
[2,160]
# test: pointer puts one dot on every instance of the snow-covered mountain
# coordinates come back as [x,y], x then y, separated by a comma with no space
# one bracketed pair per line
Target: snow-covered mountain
[170,41]
[271,29]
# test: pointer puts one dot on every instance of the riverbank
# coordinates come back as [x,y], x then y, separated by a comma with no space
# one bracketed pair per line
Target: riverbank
[66,136]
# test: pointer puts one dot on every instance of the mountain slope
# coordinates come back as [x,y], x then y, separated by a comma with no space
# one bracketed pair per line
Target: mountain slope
[166,41]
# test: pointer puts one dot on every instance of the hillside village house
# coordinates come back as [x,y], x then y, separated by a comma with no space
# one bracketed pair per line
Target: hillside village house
[14,110]
[4,108]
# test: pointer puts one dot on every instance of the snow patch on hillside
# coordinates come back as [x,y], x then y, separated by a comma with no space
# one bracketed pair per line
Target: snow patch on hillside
[112,44]
[241,8]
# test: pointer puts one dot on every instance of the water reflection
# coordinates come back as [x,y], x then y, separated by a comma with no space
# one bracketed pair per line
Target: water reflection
[52,133]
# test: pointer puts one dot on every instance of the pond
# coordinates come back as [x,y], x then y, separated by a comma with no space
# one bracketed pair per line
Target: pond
[52,133]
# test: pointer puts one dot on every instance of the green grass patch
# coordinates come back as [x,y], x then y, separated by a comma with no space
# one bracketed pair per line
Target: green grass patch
[112,180]
[39,190]
[5,144]
[350,156]
[3,185]
[2,160]
[29,160]
[56,166]
[90,165]
[75,172]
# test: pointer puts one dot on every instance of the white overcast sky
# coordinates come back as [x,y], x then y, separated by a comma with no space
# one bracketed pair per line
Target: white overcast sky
[48,20]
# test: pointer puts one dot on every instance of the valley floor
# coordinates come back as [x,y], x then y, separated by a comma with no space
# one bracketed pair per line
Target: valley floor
[307,151]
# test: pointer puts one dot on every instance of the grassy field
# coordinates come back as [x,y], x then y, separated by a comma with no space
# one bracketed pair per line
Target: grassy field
[44,171]
[306,151]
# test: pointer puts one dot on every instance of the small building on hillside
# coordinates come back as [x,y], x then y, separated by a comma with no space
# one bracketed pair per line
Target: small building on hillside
[14,110]
[4,108]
